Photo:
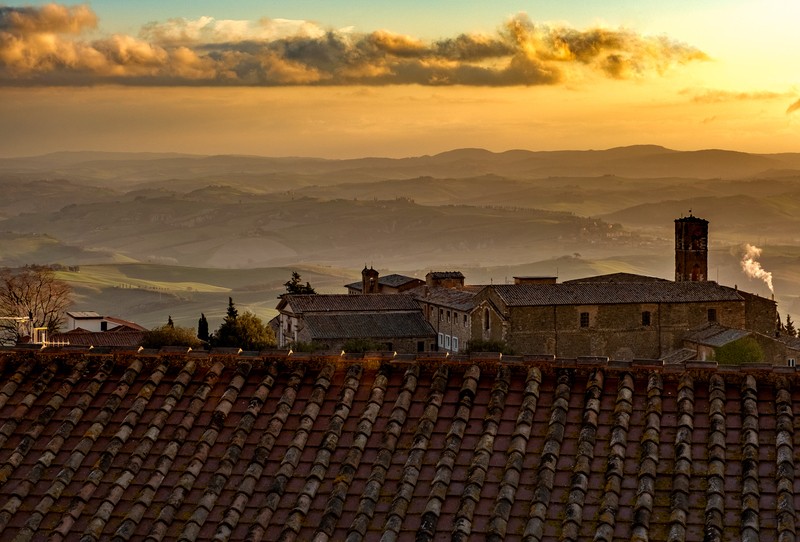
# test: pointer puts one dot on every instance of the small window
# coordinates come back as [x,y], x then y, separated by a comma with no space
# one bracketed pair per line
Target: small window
[712,315]
[455,344]
[486,319]
[447,341]
[465,320]
[420,346]
[791,362]
[645,318]
[584,319]
[103,326]
[448,317]
[441,339]
[441,314]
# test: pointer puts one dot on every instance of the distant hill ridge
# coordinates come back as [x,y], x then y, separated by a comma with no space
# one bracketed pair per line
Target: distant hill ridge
[642,161]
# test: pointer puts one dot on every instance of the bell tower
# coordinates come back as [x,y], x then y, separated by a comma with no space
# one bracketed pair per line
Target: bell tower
[369,281]
[691,249]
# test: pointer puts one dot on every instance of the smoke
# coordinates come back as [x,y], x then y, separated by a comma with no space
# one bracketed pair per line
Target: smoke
[43,46]
[752,267]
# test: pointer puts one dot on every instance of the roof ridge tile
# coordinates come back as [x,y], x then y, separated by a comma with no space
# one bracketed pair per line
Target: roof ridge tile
[715,492]
[784,461]
[322,459]
[444,467]
[391,434]
[347,470]
[254,470]
[479,466]
[221,476]
[498,523]
[682,470]
[534,529]
[617,446]
[291,457]
[410,475]
[163,463]
[573,516]
[750,491]
[648,463]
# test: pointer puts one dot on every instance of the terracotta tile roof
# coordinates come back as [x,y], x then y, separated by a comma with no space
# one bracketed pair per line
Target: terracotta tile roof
[599,293]
[234,447]
[113,337]
[461,300]
[617,277]
[348,303]
[368,325]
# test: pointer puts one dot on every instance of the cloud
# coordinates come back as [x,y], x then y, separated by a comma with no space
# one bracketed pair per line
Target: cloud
[794,107]
[40,46]
[721,96]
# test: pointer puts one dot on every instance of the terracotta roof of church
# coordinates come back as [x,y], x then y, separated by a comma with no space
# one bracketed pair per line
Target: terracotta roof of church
[263,446]
[348,303]
[598,293]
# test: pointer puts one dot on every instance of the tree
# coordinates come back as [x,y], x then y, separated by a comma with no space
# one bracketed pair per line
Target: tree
[232,312]
[35,292]
[295,285]
[170,335]
[744,350]
[170,323]
[479,345]
[788,327]
[245,331]
[202,328]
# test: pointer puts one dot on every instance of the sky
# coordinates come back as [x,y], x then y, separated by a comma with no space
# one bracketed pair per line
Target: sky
[340,79]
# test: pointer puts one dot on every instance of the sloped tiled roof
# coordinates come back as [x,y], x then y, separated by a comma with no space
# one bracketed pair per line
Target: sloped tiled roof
[368,325]
[242,447]
[462,300]
[716,335]
[617,277]
[348,303]
[119,336]
[394,281]
[599,293]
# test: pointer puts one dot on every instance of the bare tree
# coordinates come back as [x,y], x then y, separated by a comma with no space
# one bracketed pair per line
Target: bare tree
[35,292]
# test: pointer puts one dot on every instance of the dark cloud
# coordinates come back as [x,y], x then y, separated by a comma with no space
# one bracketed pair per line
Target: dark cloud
[39,46]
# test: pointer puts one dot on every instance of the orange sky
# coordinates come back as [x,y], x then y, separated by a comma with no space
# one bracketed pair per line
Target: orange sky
[297,87]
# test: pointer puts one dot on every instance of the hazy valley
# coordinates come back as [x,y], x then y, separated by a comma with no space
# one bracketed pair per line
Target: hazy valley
[159,234]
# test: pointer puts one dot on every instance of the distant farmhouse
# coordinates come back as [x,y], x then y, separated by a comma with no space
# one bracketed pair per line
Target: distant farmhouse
[89,328]
[621,316]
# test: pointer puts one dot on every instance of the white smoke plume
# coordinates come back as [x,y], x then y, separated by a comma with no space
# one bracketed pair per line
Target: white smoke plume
[752,267]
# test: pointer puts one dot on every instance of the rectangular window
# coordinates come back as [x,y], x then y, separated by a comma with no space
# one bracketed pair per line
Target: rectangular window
[465,320]
[645,318]
[712,315]
[584,319]
[420,346]
[455,344]
[441,339]
[791,362]
[441,314]
[448,317]
[447,341]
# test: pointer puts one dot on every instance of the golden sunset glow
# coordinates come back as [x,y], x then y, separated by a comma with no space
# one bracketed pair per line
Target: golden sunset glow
[277,84]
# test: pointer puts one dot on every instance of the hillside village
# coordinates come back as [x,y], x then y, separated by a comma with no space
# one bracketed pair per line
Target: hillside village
[619,316]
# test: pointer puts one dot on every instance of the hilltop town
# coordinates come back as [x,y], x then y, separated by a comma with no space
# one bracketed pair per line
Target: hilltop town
[620,316]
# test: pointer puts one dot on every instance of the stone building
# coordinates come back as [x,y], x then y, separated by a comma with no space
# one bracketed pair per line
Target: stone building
[373,283]
[394,321]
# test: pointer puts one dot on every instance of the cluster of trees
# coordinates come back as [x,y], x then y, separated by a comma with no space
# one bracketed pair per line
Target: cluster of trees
[246,331]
